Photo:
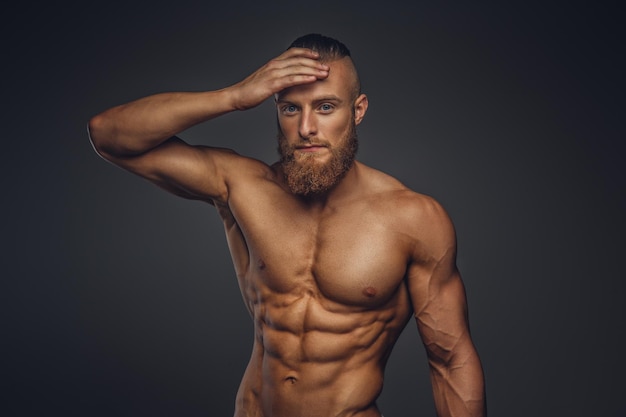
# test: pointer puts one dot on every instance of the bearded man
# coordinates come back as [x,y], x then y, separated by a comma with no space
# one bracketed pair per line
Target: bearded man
[332,257]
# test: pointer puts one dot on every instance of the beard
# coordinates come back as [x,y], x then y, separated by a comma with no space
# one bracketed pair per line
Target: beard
[306,176]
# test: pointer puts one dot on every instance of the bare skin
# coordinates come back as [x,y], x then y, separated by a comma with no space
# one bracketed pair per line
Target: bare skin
[331,280]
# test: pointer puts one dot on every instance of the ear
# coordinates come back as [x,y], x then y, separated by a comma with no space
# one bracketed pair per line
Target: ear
[360,108]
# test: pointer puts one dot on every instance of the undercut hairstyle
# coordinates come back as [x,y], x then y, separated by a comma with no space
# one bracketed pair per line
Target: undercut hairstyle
[329,49]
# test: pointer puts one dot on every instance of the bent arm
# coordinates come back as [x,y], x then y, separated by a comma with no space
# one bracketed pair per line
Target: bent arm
[134,128]
[140,136]
[440,306]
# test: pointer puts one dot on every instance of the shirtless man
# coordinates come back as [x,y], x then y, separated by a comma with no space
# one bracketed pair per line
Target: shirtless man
[332,257]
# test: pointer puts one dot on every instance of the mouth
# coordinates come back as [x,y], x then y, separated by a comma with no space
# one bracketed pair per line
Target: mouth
[310,148]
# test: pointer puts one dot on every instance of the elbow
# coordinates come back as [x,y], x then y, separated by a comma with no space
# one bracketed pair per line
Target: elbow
[439,357]
[96,131]
[457,354]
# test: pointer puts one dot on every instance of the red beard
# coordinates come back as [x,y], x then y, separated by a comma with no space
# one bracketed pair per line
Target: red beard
[307,177]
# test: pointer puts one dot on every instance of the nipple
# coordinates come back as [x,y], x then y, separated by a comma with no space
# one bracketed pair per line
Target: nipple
[370,292]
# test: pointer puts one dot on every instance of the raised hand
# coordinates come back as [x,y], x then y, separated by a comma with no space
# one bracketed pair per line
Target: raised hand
[295,66]
[139,126]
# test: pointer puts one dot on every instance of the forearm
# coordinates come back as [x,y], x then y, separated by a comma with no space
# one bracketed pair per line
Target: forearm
[459,387]
[141,125]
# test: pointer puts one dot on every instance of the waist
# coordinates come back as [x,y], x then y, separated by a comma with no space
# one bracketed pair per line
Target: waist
[310,389]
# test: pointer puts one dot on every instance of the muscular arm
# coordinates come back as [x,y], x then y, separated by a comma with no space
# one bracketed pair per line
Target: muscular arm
[439,301]
[140,136]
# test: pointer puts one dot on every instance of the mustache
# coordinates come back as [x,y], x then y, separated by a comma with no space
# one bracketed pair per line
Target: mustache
[311,142]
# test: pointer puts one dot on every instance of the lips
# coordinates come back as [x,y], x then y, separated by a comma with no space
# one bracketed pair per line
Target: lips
[311,148]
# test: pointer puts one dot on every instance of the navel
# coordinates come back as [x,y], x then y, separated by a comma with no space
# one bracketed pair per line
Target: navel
[291,379]
[261,264]
[370,292]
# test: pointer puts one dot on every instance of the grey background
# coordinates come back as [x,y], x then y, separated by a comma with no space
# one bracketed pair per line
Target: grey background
[119,299]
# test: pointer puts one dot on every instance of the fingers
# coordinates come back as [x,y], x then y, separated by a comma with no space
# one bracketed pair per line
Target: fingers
[297,66]
[301,68]
[293,67]
[303,52]
[300,62]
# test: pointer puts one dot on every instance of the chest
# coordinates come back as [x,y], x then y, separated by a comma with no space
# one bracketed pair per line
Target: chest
[353,254]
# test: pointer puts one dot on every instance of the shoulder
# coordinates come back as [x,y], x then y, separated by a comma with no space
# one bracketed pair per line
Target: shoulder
[403,201]
[419,217]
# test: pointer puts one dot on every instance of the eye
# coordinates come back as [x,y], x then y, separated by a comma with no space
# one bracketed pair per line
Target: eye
[326,108]
[289,109]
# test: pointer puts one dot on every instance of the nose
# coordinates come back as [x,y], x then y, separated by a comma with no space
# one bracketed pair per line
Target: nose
[308,125]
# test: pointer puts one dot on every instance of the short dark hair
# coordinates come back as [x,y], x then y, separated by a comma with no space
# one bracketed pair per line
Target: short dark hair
[329,49]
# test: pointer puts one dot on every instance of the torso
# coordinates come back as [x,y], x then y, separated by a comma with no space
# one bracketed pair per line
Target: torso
[325,288]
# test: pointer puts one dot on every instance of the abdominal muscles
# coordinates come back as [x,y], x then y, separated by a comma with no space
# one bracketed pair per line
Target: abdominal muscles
[316,357]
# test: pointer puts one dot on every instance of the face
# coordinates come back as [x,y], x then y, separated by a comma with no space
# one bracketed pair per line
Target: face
[317,130]
[306,173]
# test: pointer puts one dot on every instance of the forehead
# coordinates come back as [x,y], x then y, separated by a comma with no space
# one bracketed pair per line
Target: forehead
[339,82]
